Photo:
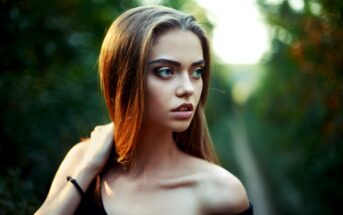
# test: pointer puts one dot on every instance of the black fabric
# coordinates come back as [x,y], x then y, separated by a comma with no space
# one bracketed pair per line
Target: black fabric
[92,202]
[248,211]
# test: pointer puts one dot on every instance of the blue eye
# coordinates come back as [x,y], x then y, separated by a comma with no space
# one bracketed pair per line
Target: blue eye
[164,72]
[197,73]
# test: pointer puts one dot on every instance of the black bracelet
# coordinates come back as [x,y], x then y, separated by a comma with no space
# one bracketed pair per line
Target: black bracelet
[77,186]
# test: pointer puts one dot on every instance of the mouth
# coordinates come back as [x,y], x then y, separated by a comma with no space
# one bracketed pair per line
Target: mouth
[183,112]
[185,107]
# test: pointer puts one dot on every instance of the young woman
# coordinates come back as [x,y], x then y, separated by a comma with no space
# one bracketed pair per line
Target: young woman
[156,157]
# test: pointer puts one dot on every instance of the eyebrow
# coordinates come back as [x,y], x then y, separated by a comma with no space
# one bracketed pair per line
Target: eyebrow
[175,63]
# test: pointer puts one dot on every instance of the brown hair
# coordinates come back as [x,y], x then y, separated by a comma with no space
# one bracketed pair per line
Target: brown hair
[122,65]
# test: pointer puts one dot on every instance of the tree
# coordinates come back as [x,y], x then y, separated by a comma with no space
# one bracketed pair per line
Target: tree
[300,100]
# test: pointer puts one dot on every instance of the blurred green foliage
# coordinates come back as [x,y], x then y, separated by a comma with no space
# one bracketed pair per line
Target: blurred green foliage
[49,91]
[295,118]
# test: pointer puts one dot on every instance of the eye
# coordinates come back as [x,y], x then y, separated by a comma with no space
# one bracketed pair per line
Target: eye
[197,73]
[164,72]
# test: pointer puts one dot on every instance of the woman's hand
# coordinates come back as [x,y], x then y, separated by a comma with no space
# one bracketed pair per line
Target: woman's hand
[99,147]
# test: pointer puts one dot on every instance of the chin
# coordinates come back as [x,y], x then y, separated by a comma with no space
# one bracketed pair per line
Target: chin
[181,127]
[180,130]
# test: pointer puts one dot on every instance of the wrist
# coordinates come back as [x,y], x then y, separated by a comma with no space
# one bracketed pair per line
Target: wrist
[85,171]
[84,176]
[76,185]
[89,167]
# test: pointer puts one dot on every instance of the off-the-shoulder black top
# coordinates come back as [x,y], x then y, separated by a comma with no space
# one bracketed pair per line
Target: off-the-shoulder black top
[92,201]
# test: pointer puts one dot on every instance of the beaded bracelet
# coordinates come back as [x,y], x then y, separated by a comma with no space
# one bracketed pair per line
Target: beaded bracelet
[77,186]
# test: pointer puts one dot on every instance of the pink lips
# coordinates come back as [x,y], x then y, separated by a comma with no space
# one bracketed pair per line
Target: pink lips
[183,112]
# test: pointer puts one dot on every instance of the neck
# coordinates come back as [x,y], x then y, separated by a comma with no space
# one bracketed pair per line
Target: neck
[156,153]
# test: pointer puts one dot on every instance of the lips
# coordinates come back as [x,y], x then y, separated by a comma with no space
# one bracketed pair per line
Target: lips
[183,112]
[185,107]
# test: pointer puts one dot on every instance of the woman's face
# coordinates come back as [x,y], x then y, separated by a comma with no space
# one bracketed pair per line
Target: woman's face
[173,80]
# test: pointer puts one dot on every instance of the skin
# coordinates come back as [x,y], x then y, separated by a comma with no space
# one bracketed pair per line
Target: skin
[162,179]
[173,78]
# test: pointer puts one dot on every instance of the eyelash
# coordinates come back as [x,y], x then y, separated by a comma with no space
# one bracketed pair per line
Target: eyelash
[199,71]
[195,74]
[159,72]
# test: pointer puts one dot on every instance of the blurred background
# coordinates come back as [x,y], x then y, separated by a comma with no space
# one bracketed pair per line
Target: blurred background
[274,110]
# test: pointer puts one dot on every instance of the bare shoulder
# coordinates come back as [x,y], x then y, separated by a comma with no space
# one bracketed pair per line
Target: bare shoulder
[220,191]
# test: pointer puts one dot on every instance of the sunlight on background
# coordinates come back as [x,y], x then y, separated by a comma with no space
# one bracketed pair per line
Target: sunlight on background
[240,39]
[240,35]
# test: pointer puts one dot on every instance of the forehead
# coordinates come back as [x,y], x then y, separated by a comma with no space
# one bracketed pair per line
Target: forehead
[180,45]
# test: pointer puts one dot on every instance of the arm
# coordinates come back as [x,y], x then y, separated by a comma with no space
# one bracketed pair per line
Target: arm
[82,162]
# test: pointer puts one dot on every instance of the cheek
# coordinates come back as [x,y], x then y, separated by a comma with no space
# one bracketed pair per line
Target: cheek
[157,94]
[198,90]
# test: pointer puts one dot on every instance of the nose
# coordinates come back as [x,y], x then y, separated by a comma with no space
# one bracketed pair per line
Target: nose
[185,89]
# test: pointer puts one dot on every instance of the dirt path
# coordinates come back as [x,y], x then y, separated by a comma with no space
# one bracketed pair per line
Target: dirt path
[245,158]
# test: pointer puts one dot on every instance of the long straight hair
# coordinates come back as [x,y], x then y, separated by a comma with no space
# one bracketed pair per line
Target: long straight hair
[122,67]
